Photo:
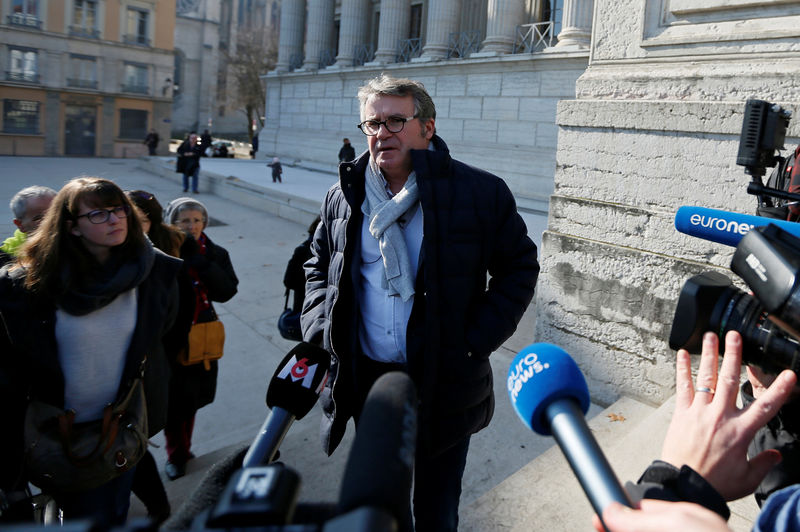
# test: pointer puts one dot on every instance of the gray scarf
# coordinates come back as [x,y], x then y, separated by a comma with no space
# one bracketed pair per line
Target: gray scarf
[382,213]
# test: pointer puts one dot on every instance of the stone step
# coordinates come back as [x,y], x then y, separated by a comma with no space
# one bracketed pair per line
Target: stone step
[545,495]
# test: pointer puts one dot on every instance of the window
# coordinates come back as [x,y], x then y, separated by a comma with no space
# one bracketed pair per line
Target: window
[84,18]
[83,72]
[135,79]
[137,32]
[25,13]
[24,65]
[553,10]
[20,116]
[177,75]
[132,124]
[415,27]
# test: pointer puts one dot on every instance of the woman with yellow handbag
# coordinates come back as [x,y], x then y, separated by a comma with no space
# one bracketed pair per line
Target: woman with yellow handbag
[207,276]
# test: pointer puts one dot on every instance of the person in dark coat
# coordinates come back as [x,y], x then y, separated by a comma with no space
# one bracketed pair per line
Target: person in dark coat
[207,276]
[191,151]
[346,152]
[397,281]
[147,485]
[205,141]
[88,302]
[151,141]
[277,169]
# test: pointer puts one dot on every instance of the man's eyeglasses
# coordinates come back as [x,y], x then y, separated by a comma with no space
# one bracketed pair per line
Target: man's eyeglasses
[394,124]
[100,216]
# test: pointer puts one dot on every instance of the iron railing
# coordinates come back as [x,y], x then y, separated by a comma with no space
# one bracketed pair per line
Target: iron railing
[138,40]
[21,19]
[407,49]
[463,43]
[534,37]
[363,53]
[82,83]
[28,77]
[327,58]
[136,89]
[296,61]
[80,31]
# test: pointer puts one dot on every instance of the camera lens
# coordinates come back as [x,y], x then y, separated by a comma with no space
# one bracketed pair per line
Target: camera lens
[710,302]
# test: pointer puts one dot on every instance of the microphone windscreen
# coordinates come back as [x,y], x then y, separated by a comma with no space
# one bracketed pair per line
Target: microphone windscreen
[381,461]
[539,375]
[299,379]
[724,227]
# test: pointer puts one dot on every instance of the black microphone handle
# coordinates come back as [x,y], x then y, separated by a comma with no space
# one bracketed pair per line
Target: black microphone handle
[585,456]
[265,445]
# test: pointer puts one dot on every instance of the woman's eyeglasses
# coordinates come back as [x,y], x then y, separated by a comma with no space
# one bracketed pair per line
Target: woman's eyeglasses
[99,216]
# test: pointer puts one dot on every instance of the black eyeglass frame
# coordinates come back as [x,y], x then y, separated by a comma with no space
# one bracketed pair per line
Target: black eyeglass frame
[385,123]
[92,215]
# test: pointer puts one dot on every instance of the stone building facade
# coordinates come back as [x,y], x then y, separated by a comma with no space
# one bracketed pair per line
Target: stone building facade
[206,31]
[496,70]
[655,125]
[85,77]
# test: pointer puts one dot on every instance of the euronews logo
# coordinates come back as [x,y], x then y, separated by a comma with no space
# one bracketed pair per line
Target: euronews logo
[526,367]
[720,224]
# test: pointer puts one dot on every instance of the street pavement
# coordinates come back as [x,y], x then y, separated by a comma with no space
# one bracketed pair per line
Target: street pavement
[260,244]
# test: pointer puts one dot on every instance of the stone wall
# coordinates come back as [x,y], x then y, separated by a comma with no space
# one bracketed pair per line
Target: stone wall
[655,125]
[497,113]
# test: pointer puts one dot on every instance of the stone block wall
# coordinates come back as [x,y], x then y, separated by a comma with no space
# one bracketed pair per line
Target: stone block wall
[655,125]
[496,113]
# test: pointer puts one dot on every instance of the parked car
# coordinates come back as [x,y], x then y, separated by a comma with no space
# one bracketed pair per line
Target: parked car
[222,148]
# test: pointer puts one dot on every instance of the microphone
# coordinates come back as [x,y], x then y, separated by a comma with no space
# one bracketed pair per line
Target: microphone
[380,465]
[549,394]
[292,393]
[724,227]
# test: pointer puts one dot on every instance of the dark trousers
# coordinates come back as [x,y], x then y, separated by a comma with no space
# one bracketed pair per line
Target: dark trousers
[105,505]
[195,177]
[147,486]
[178,434]
[437,479]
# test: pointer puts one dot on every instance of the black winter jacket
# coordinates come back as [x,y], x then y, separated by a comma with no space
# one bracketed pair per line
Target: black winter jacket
[471,227]
[192,387]
[29,367]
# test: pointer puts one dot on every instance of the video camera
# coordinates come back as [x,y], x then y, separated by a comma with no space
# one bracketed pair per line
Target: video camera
[767,259]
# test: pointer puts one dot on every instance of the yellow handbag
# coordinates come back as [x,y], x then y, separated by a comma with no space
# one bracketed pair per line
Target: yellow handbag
[206,341]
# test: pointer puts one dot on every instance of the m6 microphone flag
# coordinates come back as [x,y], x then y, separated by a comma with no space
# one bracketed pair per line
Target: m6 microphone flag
[549,394]
[724,227]
[299,379]
[292,393]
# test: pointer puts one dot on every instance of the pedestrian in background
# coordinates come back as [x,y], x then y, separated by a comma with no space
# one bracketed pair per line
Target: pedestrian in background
[254,151]
[347,152]
[191,151]
[151,140]
[147,485]
[207,276]
[277,170]
[84,310]
[205,141]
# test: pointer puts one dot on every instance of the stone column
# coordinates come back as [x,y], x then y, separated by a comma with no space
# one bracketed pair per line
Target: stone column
[443,17]
[395,18]
[503,17]
[352,30]
[290,40]
[576,24]
[319,30]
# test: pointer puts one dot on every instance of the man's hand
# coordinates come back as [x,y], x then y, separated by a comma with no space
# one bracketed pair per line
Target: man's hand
[708,432]
[660,516]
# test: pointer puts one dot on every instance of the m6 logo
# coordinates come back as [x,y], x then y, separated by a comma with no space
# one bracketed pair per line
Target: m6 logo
[299,370]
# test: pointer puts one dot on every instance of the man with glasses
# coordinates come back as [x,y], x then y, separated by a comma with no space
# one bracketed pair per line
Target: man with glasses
[397,281]
[28,207]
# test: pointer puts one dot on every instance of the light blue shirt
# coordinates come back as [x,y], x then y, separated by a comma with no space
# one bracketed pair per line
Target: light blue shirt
[384,318]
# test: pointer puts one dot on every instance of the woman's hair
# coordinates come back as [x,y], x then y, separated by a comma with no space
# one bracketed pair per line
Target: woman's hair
[165,237]
[53,245]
